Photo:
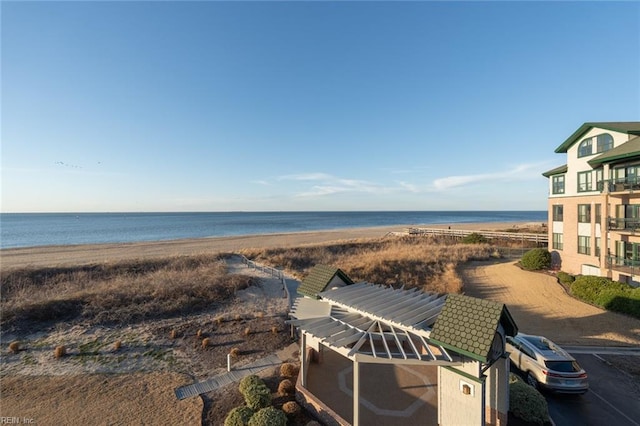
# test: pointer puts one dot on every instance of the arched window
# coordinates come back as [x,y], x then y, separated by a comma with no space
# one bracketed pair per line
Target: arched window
[585,148]
[604,142]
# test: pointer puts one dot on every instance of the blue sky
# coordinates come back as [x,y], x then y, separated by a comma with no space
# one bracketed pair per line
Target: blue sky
[266,106]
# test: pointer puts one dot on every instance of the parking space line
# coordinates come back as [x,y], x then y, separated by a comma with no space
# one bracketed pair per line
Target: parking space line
[633,422]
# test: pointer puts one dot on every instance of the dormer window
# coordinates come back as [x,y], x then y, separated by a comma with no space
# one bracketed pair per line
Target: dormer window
[585,148]
[603,142]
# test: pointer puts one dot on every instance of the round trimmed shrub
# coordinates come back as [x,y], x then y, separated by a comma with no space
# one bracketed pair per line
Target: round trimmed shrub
[268,416]
[527,404]
[248,381]
[14,347]
[257,396]
[286,387]
[60,351]
[291,408]
[288,370]
[475,238]
[536,259]
[239,416]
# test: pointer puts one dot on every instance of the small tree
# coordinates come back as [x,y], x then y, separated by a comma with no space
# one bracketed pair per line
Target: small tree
[536,259]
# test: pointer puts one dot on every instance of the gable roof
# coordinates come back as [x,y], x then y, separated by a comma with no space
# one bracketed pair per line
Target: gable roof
[626,151]
[628,127]
[467,325]
[556,171]
[319,278]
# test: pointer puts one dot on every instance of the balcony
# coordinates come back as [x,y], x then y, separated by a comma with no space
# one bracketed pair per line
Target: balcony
[629,184]
[626,266]
[623,224]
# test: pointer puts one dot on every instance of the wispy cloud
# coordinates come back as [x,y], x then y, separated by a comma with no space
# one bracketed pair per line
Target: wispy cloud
[261,182]
[328,184]
[519,172]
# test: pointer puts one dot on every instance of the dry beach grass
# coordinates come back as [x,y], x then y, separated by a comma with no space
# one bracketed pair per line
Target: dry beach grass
[156,304]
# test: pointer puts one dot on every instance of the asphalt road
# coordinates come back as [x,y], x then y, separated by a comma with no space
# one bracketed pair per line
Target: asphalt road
[612,400]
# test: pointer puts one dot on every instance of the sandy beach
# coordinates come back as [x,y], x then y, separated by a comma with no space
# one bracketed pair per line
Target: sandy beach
[97,253]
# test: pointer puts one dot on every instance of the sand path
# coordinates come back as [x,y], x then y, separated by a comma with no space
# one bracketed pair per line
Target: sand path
[540,305]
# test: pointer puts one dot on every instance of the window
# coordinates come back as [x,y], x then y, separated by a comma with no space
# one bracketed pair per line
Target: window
[584,244]
[630,174]
[557,213]
[599,179]
[585,148]
[604,142]
[584,181]
[584,213]
[598,214]
[597,248]
[557,241]
[557,184]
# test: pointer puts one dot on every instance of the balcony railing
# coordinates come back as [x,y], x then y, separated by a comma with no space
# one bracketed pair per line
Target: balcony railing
[620,185]
[624,224]
[628,266]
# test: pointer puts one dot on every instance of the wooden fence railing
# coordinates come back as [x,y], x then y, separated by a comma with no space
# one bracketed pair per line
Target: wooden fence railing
[461,233]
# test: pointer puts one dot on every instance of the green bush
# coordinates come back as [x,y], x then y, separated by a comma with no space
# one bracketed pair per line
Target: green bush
[536,259]
[268,416]
[239,416]
[257,396]
[527,404]
[610,295]
[565,278]
[514,378]
[475,238]
[249,381]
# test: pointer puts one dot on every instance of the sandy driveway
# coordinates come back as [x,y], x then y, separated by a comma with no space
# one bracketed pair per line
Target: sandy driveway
[540,305]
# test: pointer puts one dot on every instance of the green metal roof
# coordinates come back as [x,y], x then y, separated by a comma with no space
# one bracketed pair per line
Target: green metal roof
[626,151]
[319,278]
[628,127]
[556,171]
[467,325]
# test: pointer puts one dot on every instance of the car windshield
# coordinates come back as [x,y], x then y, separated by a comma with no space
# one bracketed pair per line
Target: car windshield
[563,366]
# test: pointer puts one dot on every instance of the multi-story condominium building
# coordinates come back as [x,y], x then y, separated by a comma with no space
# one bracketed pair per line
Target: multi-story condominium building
[594,202]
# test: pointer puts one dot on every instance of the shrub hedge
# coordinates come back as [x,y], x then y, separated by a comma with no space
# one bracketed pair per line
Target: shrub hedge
[249,381]
[609,295]
[527,404]
[239,416]
[257,396]
[268,416]
[536,259]
[565,278]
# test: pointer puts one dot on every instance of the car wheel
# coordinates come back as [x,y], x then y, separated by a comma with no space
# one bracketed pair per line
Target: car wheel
[531,380]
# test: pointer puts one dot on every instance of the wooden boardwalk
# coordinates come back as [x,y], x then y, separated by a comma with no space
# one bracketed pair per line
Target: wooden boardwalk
[220,380]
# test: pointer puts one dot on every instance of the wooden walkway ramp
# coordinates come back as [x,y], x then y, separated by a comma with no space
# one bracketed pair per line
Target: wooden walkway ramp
[226,378]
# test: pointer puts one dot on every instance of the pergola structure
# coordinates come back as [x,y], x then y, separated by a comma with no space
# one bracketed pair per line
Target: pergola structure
[369,323]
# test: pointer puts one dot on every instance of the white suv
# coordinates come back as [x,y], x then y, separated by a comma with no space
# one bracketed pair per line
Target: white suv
[546,365]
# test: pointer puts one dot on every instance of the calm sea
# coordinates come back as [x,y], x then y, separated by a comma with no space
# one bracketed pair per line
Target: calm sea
[40,229]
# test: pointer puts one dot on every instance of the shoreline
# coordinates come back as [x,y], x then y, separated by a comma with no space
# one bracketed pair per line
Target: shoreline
[65,255]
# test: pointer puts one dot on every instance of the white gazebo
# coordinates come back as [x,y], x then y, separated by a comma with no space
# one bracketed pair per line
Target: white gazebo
[375,324]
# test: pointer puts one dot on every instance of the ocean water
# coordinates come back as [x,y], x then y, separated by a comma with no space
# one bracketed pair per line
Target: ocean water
[43,229]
